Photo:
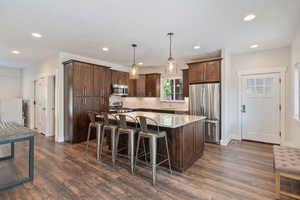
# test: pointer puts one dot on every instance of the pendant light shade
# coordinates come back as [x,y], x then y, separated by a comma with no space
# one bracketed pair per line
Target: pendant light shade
[171,68]
[134,72]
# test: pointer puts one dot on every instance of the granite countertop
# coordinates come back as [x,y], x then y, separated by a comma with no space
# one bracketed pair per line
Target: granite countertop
[167,108]
[168,120]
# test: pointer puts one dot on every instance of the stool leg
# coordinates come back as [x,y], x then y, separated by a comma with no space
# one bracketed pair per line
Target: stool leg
[98,141]
[153,150]
[145,151]
[137,150]
[117,142]
[277,186]
[131,148]
[113,146]
[167,148]
[88,137]
[101,143]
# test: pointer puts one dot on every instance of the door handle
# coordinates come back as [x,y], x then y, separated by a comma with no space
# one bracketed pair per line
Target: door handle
[243,108]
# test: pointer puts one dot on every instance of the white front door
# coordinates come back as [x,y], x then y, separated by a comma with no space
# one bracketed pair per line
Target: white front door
[260,99]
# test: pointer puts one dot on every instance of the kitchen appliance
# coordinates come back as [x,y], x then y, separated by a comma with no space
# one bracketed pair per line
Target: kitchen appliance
[117,107]
[120,90]
[205,100]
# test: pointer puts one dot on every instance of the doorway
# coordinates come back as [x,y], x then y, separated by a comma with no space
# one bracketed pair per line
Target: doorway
[260,98]
[44,105]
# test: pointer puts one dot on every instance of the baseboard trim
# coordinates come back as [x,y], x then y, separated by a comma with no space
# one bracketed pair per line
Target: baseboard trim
[59,139]
[227,140]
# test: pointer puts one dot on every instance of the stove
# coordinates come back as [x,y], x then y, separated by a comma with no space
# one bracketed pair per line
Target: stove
[117,107]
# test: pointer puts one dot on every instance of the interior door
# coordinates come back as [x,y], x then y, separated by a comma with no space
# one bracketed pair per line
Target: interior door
[261,107]
[40,105]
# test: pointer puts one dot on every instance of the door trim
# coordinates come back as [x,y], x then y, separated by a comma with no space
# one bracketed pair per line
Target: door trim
[282,72]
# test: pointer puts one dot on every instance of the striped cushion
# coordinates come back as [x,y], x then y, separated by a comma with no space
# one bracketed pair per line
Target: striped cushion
[287,159]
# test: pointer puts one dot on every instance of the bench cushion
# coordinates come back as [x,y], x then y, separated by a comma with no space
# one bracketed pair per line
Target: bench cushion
[287,159]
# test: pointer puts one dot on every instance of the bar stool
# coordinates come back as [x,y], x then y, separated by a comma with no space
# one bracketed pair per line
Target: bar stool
[113,130]
[130,131]
[93,124]
[153,137]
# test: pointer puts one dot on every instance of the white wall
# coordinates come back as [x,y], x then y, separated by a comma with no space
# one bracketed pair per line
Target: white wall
[45,68]
[250,61]
[226,88]
[293,126]
[10,82]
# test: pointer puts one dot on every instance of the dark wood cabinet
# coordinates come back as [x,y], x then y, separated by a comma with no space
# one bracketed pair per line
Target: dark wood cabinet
[119,78]
[83,81]
[152,85]
[197,72]
[185,79]
[87,87]
[212,73]
[205,72]
[141,86]
[132,87]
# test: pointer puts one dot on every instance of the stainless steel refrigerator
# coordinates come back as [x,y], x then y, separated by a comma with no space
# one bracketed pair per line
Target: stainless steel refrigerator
[205,100]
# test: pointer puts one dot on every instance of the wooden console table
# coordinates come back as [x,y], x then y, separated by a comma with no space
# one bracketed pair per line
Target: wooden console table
[10,133]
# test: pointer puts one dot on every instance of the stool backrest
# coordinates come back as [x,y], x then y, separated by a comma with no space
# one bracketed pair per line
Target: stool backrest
[105,118]
[124,119]
[92,116]
[143,122]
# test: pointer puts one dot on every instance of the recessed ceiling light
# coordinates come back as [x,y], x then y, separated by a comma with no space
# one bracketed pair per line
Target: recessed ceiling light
[249,17]
[140,63]
[105,49]
[15,52]
[254,46]
[36,35]
[197,47]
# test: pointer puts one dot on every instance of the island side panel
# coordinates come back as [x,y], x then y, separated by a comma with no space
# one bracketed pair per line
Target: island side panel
[186,145]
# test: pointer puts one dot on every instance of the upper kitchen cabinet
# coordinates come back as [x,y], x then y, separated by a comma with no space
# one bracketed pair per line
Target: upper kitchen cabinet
[132,87]
[102,81]
[119,78]
[152,84]
[205,71]
[83,79]
[185,79]
[141,86]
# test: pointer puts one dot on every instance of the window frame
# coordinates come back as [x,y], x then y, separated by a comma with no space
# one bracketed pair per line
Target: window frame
[162,90]
[296,90]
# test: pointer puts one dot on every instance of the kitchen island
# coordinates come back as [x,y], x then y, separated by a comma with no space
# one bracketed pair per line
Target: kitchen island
[185,136]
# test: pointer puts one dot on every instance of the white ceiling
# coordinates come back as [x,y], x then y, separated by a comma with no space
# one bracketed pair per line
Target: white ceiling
[85,26]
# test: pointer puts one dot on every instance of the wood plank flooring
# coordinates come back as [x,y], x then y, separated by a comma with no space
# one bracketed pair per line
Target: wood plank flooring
[242,170]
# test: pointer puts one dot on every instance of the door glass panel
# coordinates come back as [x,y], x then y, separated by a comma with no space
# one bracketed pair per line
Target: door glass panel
[269,81]
[259,82]
[268,90]
[250,83]
[259,90]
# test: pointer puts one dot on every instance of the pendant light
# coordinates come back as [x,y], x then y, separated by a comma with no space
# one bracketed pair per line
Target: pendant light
[171,66]
[134,73]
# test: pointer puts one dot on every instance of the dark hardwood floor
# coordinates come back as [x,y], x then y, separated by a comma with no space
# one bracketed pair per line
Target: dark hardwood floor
[242,170]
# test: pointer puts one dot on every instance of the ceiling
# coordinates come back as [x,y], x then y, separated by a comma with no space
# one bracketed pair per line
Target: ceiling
[84,27]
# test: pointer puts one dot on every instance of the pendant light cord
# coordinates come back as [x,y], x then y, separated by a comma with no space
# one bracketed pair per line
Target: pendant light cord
[134,46]
[170,35]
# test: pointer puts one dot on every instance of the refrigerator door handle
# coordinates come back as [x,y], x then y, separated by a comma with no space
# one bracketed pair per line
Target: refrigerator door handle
[243,110]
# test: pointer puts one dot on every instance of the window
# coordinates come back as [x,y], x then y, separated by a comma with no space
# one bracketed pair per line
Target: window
[172,90]
[297,91]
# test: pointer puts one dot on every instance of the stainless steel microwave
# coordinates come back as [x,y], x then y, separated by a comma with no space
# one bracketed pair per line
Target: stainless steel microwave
[120,90]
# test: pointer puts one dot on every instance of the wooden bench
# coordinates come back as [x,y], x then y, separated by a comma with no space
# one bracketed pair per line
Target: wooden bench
[286,164]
